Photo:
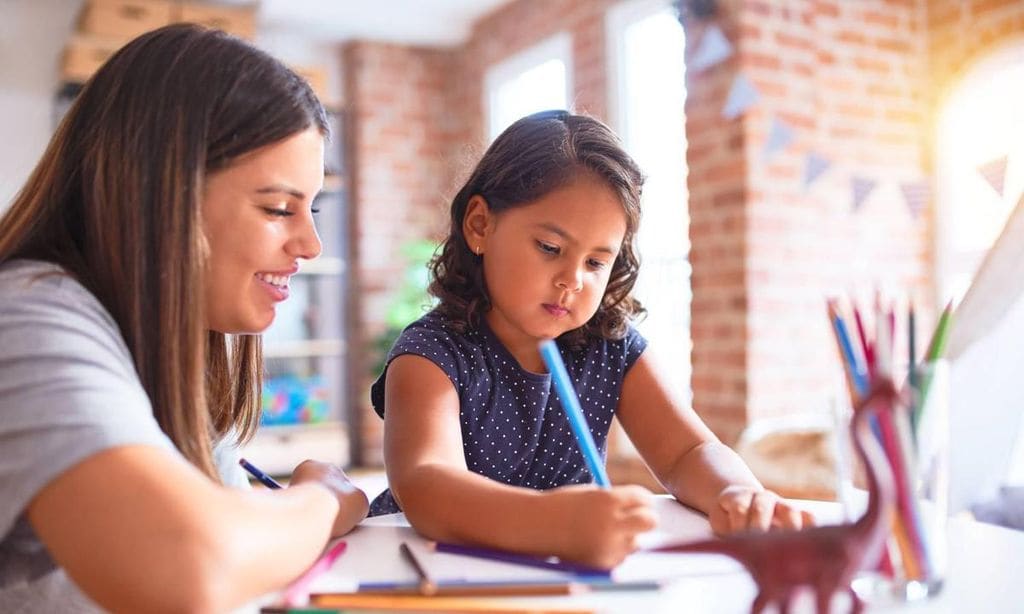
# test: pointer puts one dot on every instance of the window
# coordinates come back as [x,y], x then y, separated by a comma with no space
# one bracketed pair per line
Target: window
[533,80]
[648,92]
[981,125]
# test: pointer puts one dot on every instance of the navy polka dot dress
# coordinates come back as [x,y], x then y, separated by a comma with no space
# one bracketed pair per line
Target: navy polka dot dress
[514,429]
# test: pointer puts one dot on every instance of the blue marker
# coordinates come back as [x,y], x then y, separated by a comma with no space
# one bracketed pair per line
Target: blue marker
[571,404]
[265,479]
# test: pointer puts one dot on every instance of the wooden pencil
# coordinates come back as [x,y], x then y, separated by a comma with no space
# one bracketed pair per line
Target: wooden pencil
[419,603]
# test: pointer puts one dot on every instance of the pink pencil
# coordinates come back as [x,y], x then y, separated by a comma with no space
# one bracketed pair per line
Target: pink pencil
[865,345]
[297,593]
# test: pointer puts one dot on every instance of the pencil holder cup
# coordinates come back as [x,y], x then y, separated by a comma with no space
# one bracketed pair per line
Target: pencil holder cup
[913,565]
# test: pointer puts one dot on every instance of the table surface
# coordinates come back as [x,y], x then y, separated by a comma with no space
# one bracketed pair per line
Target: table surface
[986,568]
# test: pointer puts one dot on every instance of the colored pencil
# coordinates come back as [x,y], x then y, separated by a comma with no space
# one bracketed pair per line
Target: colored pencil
[555,586]
[865,345]
[912,350]
[297,593]
[855,375]
[477,589]
[257,473]
[426,585]
[419,603]
[520,559]
[571,405]
[936,349]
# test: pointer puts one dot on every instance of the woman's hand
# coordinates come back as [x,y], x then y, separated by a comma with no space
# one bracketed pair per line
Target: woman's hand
[744,508]
[352,502]
[598,526]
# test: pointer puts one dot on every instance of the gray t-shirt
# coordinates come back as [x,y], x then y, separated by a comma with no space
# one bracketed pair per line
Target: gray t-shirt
[68,390]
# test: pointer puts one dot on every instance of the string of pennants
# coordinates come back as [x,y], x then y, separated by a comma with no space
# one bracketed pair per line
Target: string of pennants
[714,48]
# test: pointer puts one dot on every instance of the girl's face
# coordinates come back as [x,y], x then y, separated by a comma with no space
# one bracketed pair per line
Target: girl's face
[258,222]
[546,264]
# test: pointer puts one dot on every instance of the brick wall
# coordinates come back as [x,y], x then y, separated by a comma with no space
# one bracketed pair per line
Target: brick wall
[848,79]
[400,129]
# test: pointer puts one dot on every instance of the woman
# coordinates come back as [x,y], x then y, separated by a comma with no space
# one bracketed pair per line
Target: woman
[167,213]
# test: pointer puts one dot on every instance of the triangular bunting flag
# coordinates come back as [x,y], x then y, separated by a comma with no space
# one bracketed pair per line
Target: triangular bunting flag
[994,173]
[779,136]
[712,49]
[916,194]
[814,167]
[742,96]
[862,188]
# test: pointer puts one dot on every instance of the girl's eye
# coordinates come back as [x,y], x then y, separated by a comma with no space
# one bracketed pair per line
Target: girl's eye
[596,264]
[548,248]
[278,212]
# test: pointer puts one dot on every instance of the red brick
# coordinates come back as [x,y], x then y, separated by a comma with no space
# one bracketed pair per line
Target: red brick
[826,9]
[761,60]
[887,19]
[851,37]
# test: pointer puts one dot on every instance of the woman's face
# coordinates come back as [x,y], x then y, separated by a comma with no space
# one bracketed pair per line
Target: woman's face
[258,220]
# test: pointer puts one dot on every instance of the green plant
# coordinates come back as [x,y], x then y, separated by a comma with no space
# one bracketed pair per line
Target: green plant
[411,300]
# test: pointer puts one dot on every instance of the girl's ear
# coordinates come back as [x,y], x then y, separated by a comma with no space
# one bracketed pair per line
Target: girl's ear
[476,224]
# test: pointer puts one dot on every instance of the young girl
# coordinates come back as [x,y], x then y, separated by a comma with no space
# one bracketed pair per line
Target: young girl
[477,448]
[168,212]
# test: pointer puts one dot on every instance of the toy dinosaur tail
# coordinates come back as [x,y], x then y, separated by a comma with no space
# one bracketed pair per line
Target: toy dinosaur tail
[713,546]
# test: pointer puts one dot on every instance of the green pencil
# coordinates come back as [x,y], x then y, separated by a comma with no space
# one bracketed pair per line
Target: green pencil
[936,349]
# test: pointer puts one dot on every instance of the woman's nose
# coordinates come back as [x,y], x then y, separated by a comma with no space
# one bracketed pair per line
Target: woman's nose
[305,243]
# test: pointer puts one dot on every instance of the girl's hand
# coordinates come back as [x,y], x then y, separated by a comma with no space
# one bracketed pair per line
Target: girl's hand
[352,502]
[743,508]
[598,526]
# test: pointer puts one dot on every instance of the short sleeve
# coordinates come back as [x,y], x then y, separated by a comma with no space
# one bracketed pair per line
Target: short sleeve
[68,388]
[428,339]
[634,345]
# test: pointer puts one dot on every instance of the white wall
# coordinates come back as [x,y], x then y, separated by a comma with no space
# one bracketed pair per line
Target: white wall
[32,36]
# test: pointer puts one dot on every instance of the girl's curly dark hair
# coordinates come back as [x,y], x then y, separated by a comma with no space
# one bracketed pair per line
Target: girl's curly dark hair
[534,156]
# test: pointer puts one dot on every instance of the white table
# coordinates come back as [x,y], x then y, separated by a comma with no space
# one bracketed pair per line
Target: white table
[986,571]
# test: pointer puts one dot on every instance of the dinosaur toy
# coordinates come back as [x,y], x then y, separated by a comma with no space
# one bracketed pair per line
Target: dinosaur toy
[825,558]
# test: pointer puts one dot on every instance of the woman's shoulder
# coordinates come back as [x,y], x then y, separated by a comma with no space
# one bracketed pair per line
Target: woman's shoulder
[42,301]
[33,280]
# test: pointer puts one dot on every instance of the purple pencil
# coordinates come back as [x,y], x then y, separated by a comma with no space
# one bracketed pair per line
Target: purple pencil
[519,559]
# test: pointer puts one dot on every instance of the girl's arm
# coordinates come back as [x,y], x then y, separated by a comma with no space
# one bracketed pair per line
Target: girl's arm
[445,501]
[691,462]
[140,529]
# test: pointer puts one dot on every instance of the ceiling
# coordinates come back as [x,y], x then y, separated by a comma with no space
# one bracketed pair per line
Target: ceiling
[410,22]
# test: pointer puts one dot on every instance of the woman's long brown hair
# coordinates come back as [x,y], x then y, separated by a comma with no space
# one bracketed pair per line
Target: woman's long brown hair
[115,202]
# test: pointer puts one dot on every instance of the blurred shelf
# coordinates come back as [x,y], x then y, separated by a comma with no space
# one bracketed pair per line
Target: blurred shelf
[324,265]
[278,449]
[303,348]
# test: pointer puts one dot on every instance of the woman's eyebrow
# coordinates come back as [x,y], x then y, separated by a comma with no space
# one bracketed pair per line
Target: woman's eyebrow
[279,188]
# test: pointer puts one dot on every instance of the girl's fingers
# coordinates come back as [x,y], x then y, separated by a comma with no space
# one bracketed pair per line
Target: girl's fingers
[808,519]
[786,517]
[738,510]
[762,509]
[794,519]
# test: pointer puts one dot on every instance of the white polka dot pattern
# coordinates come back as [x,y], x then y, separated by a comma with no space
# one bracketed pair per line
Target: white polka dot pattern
[513,427]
